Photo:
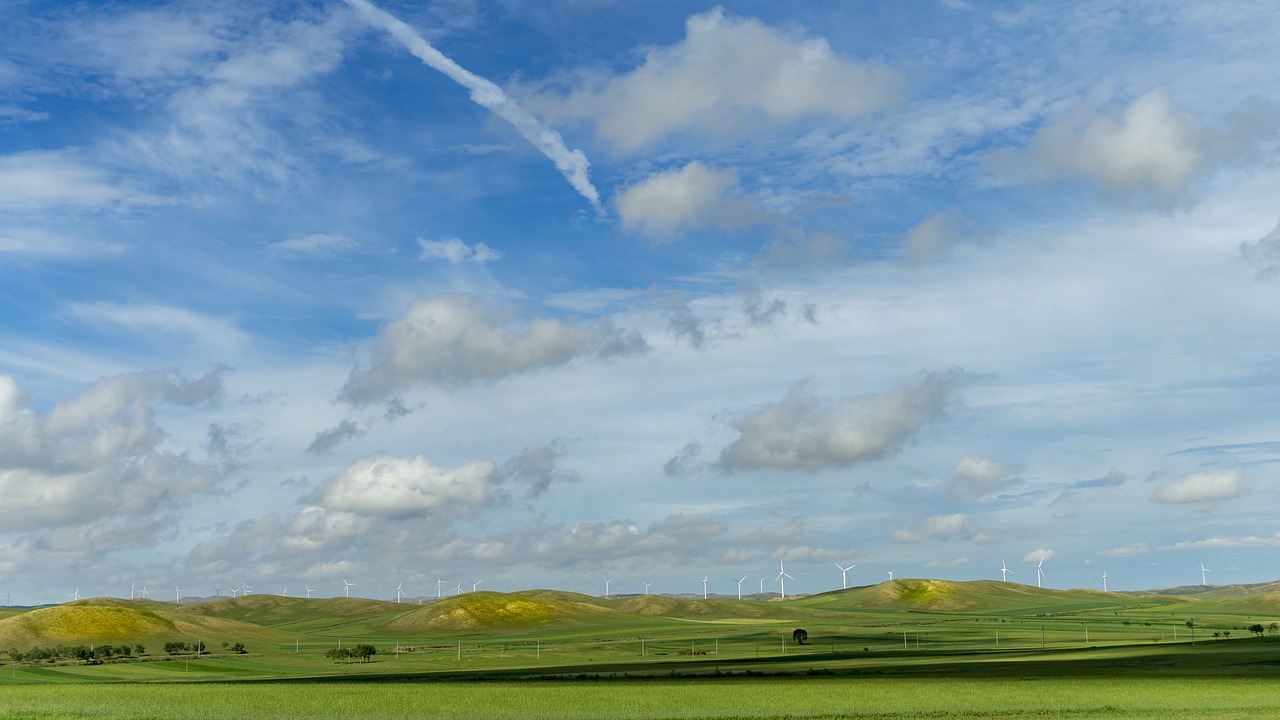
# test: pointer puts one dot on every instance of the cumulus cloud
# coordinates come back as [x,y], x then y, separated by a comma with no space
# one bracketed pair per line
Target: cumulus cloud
[384,485]
[99,454]
[1151,148]
[1035,557]
[1202,487]
[729,77]
[668,203]
[955,526]
[800,433]
[458,339]
[455,252]
[974,477]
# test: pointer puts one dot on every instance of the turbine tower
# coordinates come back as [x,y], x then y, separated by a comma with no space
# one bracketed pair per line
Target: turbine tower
[844,575]
[646,587]
[1039,573]
[131,589]
[739,581]
[309,591]
[782,582]
[1203,570]
[245,588]
[1104,581]
[75,595]
[606,588]
[398,590]
[346,587]
[891,576]
[762,584]
[177,594]
[439,582]
[217,591]
[475,585]
[1005,572]
[705,578]
[143,592]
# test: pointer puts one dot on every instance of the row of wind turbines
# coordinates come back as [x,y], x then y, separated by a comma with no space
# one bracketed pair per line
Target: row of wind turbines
[245,589]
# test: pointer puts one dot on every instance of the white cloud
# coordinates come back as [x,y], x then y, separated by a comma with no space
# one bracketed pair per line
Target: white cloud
[457,339]
[1127,550]
[948,527]
[729,77]
[52,179]
[931,239]
[98,455]
[1225,543]
[397,487]
[799,433]
[1151,148]
[219,335]
[314,245]
[1202,487]
[975,477]
[668,203]
[1037,556]
[454,251]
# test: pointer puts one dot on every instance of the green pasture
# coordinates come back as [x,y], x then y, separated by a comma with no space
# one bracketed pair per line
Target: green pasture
[908,648]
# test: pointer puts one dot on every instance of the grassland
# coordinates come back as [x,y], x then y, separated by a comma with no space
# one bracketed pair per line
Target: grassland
[907,648]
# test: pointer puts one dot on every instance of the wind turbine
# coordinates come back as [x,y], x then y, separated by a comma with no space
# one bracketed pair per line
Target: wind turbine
[235,590]
[890,575]
[844,575]
[458,590]
[309,591]
[285,591]
[398,590]
[475,585]
[739,581]
[762,584]
[439,582]
[245,588]
[217,591]
[346,587]
[1104,581]
[646,587]
[177,594]
[705,578]
[143,592]
[75,595]
[1203,570]
[606,588]
[782,575]
[1039,573]
[131,588]
[1005,572]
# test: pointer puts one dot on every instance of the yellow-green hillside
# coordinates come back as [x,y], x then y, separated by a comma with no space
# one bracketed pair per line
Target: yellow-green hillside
[109,621]
[496,611]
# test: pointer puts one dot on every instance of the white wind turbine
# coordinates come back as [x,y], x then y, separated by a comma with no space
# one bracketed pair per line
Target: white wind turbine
[439,582]
[346,587]
[705,578]
[458,590]
[475,585]
[762,584]
[1005,572]
[234,590]
[740,581]
[309,591]
[245,588]
[606,588]
[398,590]
[1040,573]
[285,591]
[1203,570]
[131,589]
[143,592]
[844,575]
[177,594]
[1104,581]
[646,587]
[782,582]
[75,595]
[890,575]
[217,591]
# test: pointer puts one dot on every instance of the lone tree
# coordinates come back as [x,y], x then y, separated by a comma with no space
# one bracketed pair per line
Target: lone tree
[1257,629]
[364,652]
[800,635]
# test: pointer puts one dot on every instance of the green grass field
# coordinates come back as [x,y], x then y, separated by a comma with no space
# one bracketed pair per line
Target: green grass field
[908,648]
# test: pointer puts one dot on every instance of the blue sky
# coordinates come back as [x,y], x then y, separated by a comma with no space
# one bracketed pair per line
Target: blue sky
[547,294]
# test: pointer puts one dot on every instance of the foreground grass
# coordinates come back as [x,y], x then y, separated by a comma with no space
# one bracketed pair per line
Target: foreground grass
[756,698]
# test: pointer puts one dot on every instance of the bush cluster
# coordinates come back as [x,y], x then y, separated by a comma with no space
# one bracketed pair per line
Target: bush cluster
[87,653]
[360,652]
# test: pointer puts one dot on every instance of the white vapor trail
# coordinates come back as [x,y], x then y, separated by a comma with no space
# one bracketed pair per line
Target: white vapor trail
[571,163]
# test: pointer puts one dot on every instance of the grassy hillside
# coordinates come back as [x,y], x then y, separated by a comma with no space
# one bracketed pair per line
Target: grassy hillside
[494,611]
[108,620]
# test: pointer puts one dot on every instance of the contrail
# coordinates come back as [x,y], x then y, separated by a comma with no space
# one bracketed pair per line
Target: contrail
[571,163]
